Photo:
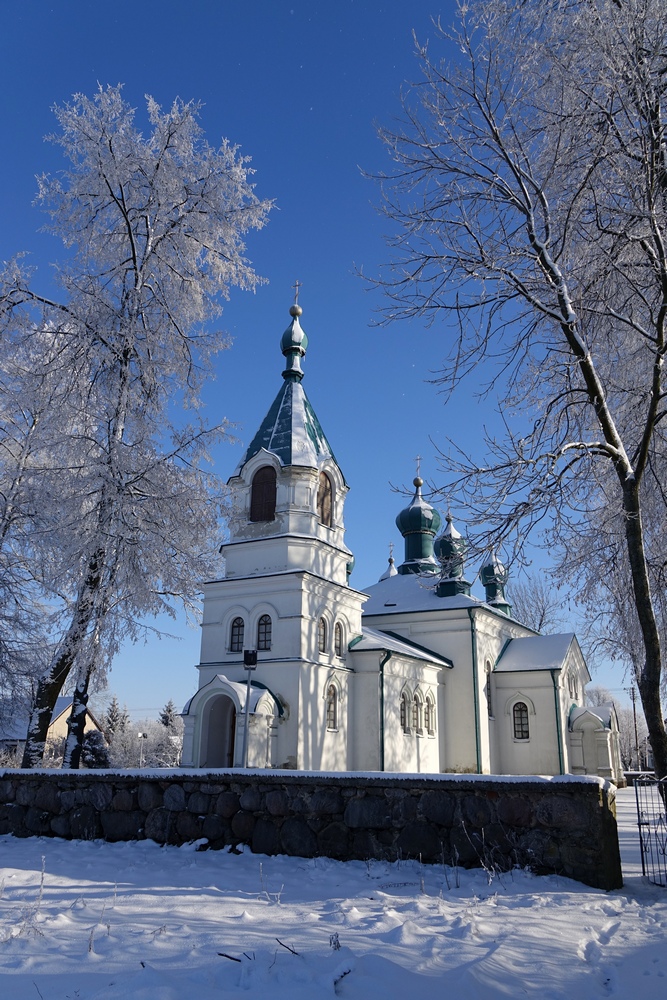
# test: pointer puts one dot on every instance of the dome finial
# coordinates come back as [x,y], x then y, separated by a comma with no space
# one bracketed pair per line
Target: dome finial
[294,340]
[296,310]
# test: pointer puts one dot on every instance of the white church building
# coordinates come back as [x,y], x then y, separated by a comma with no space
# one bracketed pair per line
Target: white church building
[413,674]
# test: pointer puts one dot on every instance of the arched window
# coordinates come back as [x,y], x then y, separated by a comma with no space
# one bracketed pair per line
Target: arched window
[520,718]
[322,635]
[417,713]
[236,635]
[429,715]
[338,639]
[332,707]
[264,632]
[325,500]
[263,495]
[404,713]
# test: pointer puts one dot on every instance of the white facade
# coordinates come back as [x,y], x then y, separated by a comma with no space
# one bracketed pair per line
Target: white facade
[412,675]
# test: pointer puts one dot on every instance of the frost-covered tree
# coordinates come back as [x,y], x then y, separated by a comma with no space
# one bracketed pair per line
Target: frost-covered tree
[154,225]
[537,603]
[158,746]
[115,719]
[529,205]
[169,715]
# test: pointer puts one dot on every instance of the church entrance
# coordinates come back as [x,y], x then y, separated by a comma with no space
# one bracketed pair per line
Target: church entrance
[221,733]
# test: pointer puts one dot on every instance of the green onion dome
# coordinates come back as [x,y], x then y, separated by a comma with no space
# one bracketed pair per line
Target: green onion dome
[418,524]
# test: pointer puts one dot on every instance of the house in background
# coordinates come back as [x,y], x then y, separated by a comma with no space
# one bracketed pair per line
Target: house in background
[13,734]
[413,674]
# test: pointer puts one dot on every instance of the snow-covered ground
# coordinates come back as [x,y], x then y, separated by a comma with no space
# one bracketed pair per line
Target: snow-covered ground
[139,922]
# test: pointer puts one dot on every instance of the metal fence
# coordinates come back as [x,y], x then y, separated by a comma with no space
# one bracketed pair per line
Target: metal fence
[651,796]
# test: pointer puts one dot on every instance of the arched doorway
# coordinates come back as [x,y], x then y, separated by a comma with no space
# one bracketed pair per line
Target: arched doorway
[220,733]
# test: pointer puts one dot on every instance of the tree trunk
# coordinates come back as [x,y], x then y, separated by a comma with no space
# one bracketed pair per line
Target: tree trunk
[650,675]
[51,684]
[76,725]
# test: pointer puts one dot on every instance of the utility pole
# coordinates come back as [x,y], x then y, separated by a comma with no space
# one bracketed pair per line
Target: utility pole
[250,664]
[633,695]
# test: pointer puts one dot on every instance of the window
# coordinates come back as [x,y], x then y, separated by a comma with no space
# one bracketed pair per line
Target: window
[404,713]
[322,635]
[429,715]
[264,632]
[416,713]
[332,707]
[263,495]
[236,636]
[520,717]
[325,500]
[338,639]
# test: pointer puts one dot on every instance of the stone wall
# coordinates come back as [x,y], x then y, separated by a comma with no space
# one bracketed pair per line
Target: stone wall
[566,825]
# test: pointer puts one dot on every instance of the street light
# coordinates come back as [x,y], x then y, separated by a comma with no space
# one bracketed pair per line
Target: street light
[250,664]
[142,736]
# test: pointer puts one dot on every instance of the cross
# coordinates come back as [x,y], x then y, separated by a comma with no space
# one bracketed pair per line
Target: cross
[418,461]
[296,286]
[391,551]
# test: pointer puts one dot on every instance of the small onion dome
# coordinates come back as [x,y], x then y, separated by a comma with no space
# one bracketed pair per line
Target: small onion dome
[450,548]
[418,524]
[450,551]
[494,577]
[293,344]
[390,570]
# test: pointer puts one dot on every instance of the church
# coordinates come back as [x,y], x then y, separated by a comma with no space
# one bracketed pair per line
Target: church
[299,670]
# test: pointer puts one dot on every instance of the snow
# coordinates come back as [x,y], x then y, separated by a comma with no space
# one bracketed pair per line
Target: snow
[136,921]
[536,652]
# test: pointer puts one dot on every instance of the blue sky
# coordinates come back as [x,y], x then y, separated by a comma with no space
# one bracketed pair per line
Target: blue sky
[299,86]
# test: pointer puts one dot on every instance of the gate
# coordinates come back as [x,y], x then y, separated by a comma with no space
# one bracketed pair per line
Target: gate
[651,796]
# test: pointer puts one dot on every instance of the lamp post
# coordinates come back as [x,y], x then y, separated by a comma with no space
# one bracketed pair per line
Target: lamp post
[250,664]
[142,737]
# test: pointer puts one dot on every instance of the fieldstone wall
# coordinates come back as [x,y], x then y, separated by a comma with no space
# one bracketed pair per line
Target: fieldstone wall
[566,826]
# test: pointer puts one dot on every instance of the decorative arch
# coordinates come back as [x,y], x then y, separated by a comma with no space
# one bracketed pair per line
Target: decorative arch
[405,709]
[263,491]
[429,713]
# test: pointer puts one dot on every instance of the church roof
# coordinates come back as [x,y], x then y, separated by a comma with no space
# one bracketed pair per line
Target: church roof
[536,652]
[411,592]
[291,431]
[374,639]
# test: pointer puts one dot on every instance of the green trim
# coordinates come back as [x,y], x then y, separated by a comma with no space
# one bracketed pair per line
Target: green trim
[424,649]
[553,672]
[353,642]
[500,654]
[383,660]
[475,687]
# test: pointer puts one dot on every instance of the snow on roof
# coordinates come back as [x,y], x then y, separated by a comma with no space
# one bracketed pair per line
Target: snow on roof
[375,639]
[535,652]
[601,712]
[17,727]
[291,431]
[411,592]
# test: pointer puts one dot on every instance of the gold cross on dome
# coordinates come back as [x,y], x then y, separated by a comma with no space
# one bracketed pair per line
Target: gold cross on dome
[296,286]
